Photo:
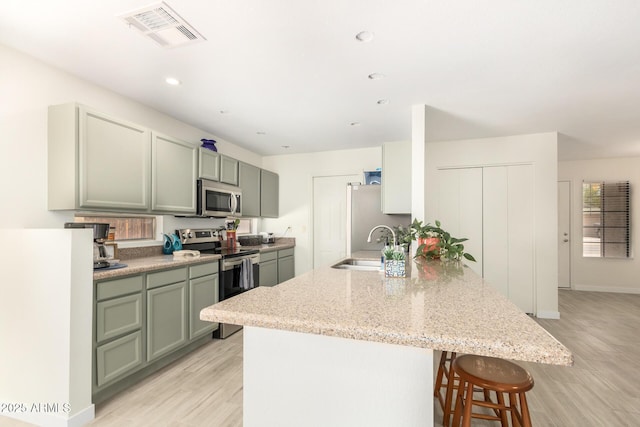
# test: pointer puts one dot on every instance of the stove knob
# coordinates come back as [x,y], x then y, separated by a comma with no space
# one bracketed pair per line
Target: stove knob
[190,235]
[184,235]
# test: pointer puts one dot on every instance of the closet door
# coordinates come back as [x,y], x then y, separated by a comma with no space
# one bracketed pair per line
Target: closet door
[521,236]
[496,228]
[460,209]
[508,231]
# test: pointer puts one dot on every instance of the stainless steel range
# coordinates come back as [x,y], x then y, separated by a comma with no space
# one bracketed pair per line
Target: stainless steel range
[233,279]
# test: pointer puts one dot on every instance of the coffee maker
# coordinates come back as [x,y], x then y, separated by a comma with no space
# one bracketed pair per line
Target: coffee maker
[100,235]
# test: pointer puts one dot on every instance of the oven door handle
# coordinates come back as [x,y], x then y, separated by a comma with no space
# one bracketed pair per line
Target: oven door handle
[230,264]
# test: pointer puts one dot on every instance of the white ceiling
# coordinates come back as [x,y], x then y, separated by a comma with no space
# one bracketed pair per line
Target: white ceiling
[293,70]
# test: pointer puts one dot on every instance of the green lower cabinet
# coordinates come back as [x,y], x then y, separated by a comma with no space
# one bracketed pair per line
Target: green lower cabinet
[166,319]
[286,265]
[269,268]
[118,357]
[203,292]
[118,316]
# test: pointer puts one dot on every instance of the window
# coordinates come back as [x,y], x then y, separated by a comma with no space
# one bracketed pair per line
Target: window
[605,219]
[126,228]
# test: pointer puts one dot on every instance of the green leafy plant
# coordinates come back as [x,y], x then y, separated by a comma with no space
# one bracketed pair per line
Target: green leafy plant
[446,246]
[403,236]
[395,254]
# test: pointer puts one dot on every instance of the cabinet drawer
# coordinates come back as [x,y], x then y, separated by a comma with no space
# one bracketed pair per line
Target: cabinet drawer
[118,316]
[268,256]
[285,252]
[118,357]
[203,269]
[118,287]
[166,277]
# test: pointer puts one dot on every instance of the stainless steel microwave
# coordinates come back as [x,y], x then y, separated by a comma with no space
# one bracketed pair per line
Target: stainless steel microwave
[218,200]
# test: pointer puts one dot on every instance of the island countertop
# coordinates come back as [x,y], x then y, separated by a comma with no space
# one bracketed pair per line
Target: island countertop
[441,307]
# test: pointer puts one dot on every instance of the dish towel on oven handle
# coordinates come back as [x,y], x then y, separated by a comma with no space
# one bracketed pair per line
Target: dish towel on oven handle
[246,274]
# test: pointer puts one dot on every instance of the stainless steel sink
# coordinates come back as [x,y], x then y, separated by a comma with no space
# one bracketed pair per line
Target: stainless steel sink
[358,264]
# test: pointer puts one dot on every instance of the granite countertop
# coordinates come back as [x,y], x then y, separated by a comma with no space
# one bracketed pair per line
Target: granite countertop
[281,243]
[449,309]
[151,263]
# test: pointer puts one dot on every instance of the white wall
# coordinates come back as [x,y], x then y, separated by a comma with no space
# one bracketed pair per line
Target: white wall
[540,150]
[296,173]
[27,88]
[45,325]
[596,274]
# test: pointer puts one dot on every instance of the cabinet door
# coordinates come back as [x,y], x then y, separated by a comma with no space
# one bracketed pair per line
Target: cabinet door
[209,164]
[114,162]
[269,273]
[285,268]
[269,191]
[173,175]
[249,181]
[118,357]
[228,170]
[118,316]
[396,177]
[166,319]
[203,292]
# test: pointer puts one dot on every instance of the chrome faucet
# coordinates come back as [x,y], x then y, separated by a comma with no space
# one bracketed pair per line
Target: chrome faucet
[383,226]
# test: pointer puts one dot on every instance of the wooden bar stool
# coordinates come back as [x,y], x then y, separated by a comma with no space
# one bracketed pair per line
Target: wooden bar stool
[491,374]
[444,371]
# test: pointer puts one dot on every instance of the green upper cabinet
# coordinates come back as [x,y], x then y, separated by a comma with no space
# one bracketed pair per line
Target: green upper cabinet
[96,161]
[209,164]
[174,172]
[269,191]
[228,170]
[249,181]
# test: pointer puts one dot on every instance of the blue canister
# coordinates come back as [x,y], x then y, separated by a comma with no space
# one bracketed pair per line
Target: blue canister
[167,245]
[177,244]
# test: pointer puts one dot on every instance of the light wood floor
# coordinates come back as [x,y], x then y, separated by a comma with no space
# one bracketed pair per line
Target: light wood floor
[602,389]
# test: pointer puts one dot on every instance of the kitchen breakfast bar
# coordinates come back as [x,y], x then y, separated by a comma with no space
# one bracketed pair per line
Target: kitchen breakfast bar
[336,347]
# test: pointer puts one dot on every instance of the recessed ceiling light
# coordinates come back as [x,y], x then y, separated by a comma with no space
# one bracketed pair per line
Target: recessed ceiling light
[376,76]
[364,36]
[173,81]
[383,101]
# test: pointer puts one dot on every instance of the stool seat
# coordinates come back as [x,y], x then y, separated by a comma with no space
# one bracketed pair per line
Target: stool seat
[491,375]
[495,374]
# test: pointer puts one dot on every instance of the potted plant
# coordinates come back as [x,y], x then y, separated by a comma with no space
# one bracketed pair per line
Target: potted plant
[435,243]
[394,262]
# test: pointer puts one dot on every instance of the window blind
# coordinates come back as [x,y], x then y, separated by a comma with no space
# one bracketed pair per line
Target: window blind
[606,219]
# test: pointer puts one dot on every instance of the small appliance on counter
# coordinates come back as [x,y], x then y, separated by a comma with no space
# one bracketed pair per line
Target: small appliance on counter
[268,237]
[101,258]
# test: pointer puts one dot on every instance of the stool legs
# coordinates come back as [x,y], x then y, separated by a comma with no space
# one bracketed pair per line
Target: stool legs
[445,371]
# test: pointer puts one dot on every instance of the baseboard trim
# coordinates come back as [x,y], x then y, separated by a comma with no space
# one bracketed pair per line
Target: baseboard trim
[548,314]
[613,289]
[53,419]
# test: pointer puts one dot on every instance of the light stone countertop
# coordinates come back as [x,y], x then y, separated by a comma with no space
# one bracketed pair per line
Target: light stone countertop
[153,263]
[450,309]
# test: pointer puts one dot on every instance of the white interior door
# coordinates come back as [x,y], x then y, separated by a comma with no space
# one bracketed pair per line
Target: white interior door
[495,228]
[460,209]
[330,218]
[521,236]
[564,234]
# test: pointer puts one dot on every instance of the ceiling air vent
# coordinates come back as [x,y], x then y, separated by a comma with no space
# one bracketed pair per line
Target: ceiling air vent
[163,25]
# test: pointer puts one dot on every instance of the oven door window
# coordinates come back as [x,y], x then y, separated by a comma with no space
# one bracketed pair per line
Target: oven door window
[230,281]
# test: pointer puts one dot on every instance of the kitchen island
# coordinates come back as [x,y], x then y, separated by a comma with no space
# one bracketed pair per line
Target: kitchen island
[340,347]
